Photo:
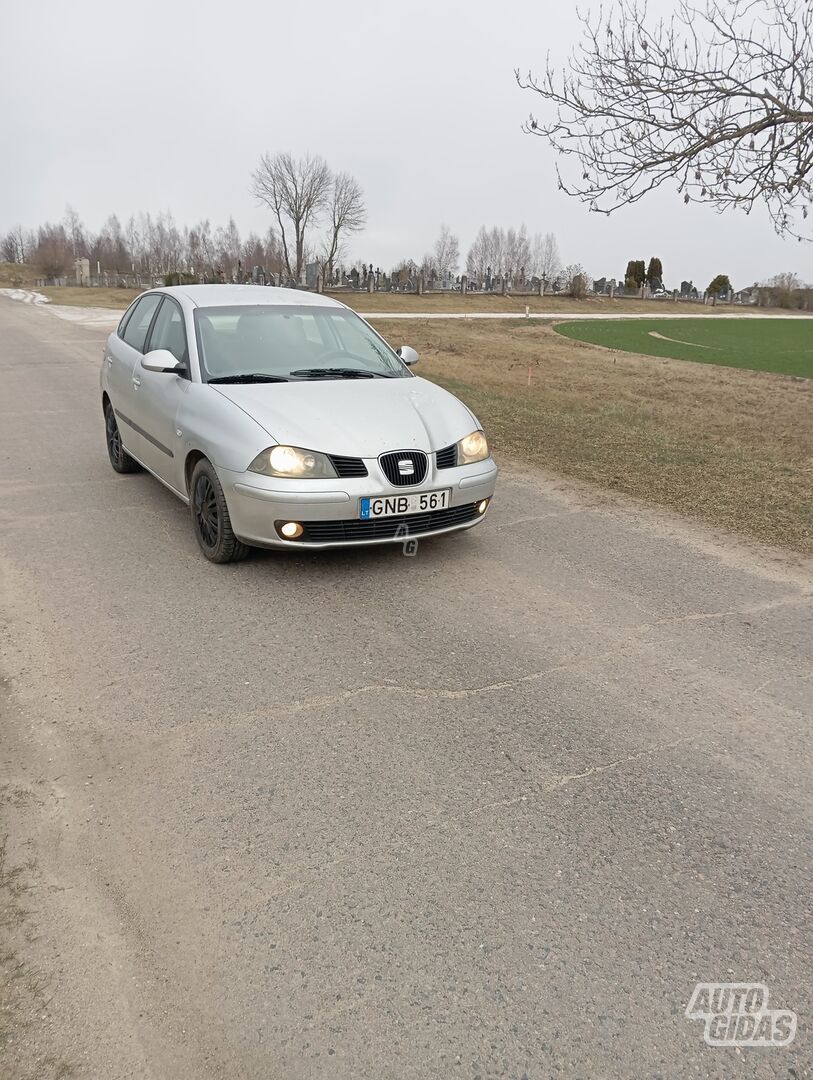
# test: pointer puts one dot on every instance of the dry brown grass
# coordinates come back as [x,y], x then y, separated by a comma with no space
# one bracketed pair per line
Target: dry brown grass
[16,275]
[75,296]
[436,303]
[731,447]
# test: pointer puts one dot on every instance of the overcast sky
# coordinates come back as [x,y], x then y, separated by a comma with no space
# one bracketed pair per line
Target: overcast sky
[168,106]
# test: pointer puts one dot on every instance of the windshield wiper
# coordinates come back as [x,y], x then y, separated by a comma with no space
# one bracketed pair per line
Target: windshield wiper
[337,373]
[248,377]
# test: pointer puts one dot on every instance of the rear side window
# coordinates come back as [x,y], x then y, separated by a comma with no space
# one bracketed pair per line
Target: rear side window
[135,332]
[168,332]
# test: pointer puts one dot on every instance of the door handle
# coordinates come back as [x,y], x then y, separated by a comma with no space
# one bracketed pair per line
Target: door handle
[136,380]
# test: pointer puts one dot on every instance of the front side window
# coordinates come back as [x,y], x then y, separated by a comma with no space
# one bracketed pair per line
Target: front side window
[135,332]
[168,332]
[287,343]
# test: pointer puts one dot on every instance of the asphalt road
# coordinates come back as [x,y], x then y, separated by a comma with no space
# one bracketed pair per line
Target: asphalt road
[491,811]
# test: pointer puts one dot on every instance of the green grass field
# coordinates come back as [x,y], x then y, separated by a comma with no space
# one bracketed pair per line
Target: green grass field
[782,346]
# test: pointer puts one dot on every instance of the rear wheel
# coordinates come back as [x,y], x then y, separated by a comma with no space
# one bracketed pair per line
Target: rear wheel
[119,458]
[210,517]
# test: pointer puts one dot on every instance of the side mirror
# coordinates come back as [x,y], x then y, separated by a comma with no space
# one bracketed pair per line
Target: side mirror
[163,361]
[408,355]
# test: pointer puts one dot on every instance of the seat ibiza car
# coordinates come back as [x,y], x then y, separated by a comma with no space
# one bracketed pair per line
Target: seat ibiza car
[284,420]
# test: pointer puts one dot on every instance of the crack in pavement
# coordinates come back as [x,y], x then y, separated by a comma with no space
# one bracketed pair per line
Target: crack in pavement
[544,787]
[750,609]
[556,783]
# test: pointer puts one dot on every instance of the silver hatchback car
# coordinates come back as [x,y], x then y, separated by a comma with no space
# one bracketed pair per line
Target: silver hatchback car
[284,420]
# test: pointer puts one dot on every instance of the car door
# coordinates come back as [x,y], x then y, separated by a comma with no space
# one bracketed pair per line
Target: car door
[158,395]
[118,362]
[124,352]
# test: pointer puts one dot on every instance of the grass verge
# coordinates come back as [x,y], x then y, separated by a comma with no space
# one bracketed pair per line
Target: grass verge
[731,448]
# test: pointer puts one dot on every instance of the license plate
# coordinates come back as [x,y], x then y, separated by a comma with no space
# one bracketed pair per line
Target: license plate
[398,505]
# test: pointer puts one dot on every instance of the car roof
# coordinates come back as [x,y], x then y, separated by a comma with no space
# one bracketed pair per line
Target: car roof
[237,295]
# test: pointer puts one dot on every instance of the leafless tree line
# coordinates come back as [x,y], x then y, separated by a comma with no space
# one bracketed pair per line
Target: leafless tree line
[513,254]
[717,100]
[786,291]
[146,245]
[508,256]
[151,247]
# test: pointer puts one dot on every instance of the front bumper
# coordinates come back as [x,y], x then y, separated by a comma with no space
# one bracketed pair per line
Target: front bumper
[329,509]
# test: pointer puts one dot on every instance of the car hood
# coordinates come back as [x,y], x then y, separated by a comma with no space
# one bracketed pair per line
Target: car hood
[355,417]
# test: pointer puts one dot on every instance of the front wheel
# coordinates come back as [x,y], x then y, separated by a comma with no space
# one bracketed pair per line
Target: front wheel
[210,517]
[119,458]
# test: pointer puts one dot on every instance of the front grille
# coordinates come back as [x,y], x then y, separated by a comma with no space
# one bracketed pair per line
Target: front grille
[348,466]
[331,532]
[447,457]
[390,466]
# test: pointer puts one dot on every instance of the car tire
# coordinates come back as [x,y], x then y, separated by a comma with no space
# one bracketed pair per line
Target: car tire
[119,458]
[210,517]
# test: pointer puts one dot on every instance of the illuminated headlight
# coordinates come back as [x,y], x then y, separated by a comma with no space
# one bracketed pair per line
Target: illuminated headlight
[473,448]
[293,461]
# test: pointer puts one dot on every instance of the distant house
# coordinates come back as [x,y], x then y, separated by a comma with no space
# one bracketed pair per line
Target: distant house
[747,296]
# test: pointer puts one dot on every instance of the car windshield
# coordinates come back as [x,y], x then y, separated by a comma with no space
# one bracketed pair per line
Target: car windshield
[270,343]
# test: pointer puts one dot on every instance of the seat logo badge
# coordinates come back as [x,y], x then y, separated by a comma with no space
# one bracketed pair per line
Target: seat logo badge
[406,467]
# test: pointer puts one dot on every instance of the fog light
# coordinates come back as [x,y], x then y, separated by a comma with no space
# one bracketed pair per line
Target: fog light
[291,530]
[482,506]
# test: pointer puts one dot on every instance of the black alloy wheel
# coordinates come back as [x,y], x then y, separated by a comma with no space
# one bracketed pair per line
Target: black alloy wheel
[119,458]
[210,517]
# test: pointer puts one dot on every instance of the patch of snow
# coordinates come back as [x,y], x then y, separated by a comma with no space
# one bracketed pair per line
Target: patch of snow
[88,316]
[25,295]
[105,318]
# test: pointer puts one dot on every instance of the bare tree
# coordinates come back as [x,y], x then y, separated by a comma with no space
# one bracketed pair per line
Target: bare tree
[512,254]
[226,242]
[54,251]
[545,257]
[478,259]
[783,290]
[8,248]
[108,248]
[516,254]
[575,280]
[75,231]
[297,190]
[717,99]
[446,252]
[348,214]
[273,252]
[16,245]
[497,253]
